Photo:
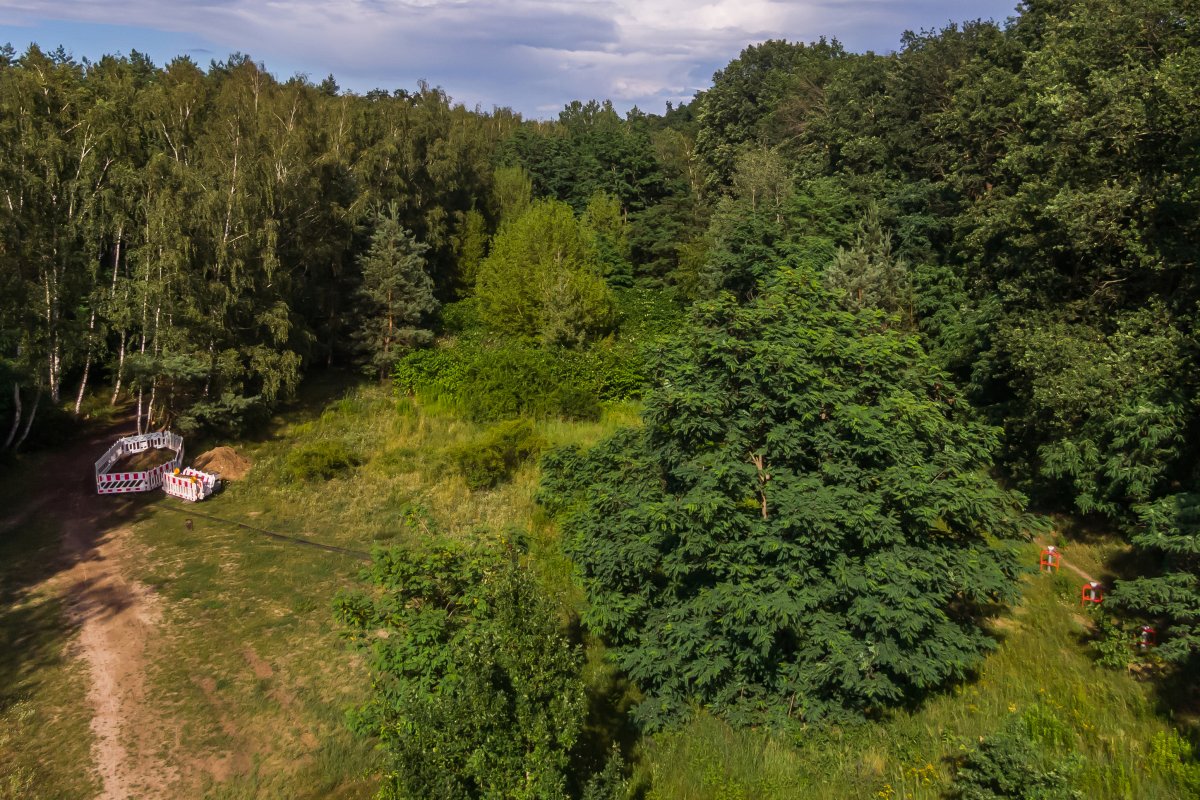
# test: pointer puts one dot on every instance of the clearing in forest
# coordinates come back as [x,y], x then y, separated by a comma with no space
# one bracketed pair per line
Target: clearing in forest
[205,662]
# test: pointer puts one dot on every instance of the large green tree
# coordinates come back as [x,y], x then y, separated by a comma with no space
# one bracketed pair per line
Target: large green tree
[804,526]
[398,294]
[542,278]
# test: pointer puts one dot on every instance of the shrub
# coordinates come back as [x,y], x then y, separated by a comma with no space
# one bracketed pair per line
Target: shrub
[494,457]
[1112,644]
[609,369]
[509,382]
[1171,754]
[320,461]
[475,690]
[1008,765]
[461,316]
[522,380]
[576,403]
[440,372]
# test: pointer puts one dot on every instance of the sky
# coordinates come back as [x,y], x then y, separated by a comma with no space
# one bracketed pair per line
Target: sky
[531,55]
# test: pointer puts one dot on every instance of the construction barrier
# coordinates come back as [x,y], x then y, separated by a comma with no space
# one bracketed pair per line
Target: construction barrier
[1049,559]
[138,481]
[189,484]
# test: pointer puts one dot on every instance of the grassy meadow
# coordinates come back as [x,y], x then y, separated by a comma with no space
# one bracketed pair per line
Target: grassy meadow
[251,665]
[253,680]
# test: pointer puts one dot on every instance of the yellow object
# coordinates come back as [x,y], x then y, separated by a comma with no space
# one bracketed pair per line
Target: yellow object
[176,471]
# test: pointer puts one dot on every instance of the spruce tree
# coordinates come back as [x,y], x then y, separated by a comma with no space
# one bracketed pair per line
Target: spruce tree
[397,293]
[804,526]
[1168,535]
[868,275]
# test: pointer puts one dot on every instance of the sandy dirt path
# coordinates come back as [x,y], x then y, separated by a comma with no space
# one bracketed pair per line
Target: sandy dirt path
[116,618]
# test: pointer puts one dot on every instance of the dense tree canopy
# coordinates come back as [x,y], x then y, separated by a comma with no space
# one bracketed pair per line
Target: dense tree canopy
[1040,181]
[193,237]
[1014,205]
[804,526]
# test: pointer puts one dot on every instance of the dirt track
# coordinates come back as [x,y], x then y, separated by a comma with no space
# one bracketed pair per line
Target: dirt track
[115,616]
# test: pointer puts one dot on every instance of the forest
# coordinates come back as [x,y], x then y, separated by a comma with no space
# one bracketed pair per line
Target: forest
[884,322]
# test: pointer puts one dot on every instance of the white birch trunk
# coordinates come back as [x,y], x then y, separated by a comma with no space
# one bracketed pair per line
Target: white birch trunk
[87,362]
[120,370]
[112,294]
[37,398]
[12,433]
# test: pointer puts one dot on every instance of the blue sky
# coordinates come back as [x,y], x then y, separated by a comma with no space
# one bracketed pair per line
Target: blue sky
[531,55]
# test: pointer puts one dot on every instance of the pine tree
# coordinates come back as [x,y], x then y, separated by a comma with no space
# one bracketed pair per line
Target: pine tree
[868,275]
[804,526]
[397,293]
[1169,534]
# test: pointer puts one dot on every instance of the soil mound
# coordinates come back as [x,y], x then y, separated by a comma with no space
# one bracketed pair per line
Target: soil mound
[143,461]
[224,461]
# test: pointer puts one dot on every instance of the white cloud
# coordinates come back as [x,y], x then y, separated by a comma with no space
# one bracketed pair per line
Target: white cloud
[533,55]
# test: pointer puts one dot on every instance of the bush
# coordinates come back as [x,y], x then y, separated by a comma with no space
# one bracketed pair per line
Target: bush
[462,316]
[1113,643]
[611,370]
[495,456]
[320,461]
[493,383]
[440,372]
[475,689]
[1008,766]
[576,403]
[509,382]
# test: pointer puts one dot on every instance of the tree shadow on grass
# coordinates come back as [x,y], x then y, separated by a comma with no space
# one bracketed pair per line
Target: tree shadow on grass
[608,727]
[53,522]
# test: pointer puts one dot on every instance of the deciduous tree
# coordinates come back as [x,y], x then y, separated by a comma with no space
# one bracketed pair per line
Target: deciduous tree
[803,527]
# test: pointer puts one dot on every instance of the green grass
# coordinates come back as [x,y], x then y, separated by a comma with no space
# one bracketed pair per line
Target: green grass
[1042,669]
[251,662]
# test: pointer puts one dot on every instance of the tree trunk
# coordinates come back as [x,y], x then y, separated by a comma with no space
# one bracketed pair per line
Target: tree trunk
[87,363]
[120,369]
[37,398]
[55,370]
[150,407]
[53,352]
[112,294]
[16,415]
[760,463]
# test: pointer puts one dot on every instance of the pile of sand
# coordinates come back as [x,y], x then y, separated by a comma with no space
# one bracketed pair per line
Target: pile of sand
[225,462]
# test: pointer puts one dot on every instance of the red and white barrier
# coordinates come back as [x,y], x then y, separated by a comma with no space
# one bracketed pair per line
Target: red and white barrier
[189,484]
[138,481]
